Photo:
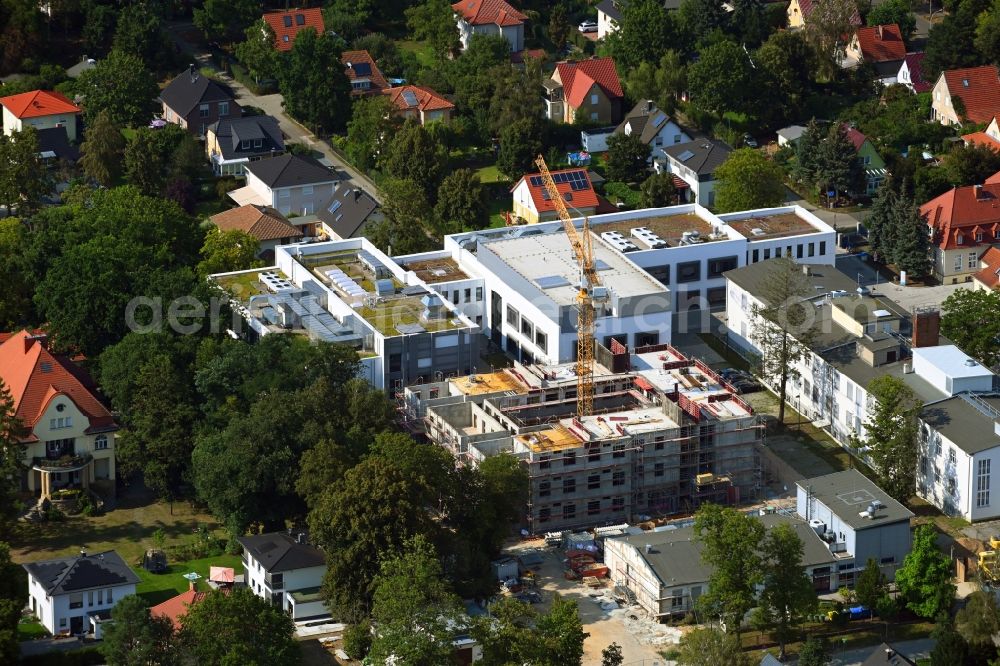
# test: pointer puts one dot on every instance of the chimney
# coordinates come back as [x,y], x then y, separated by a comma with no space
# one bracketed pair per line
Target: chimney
[191,587]
[83,552]
[649,106]
[192,72]
[806,270]
[300,538]
[879,28]
[926,328]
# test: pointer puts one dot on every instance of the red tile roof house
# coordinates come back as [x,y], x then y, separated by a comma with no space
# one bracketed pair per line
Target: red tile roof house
[489,17]
[420,103]
[880,46]
[288,24]
[196,102]
[70,439]
[364,74]
[587,90]
[990,137]
[964,223]
[911,73]
[977,87]
[40,109]
[988,277]
[533,204]
[264,223]
[177,607]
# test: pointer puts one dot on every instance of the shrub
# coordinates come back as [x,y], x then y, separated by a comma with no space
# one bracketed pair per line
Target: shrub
[620,192]
[89,656]
[358,640]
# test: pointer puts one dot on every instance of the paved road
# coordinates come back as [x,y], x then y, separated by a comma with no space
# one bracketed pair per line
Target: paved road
[273,106]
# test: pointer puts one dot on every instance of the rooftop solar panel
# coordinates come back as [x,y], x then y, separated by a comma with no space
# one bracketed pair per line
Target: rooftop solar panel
[362,68]
[685,156]
[536,181]
[409,98]
[660,117]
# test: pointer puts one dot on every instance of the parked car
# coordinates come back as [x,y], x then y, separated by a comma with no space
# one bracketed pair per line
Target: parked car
[727,373]
[749,141]
[746,385]
[588,26]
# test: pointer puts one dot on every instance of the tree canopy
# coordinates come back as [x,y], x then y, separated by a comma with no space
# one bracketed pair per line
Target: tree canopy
[122,86]
[313,83]
[136,638]
[748,180]
[925,579]
[731,547]
[890,443]
[969,320]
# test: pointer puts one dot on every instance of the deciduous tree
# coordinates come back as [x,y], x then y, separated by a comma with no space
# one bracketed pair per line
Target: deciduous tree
[415,612]
[871,585]
[257,51]
[23,178]
[988,33]
[702,19]
[814,652]
[121,85]
[893,11]
[724,79]
[559,26]
[461,203]
[784,326]
[226,251]
[137,638]
[520,144]
[139,31]
[788,595]
[626,158]
[658,190]
[970,321]
[890,442]
[646,31]
[978,623]
[225,20]
[371,128]
[313,82]
[711,647]
[925,579]
[433,21]
[825,31]
[11,432]
[971,165]
[13,597]
[414,155]
[102,151]
[748,180]
[214,631]
[731,544]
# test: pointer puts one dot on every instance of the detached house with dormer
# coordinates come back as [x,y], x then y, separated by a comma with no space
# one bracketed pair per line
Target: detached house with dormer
[966,95]
[196,102]
[588,90]
[880,46]
[964,223]
[232,143]
[869,159]
[490,17]
[69,432]
[286,25]
[365,76]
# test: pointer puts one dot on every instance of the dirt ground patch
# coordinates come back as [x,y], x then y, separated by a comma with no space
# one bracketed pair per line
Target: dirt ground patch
[604,626]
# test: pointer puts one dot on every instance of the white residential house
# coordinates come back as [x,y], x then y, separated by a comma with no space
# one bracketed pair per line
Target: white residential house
[695,163]
[72,595]
[291,184]
[41,109]
[490,17]
[285,569]
[960,450]
[860,337]
[70,438]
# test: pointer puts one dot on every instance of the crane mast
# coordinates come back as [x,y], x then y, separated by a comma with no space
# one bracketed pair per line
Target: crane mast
[584,252]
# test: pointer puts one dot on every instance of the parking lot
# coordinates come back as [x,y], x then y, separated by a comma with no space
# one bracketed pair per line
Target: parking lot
[641,640]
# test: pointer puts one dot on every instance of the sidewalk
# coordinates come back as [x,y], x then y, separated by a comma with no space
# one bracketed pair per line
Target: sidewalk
[273,106]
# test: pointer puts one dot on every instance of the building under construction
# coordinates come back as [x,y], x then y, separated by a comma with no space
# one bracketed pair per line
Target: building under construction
[666,435]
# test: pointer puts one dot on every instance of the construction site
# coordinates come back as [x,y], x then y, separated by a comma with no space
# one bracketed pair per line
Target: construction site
[666,434]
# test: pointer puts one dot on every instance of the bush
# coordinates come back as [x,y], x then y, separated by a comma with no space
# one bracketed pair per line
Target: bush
[620,192]
[358,640]
[224,185]
[89,656]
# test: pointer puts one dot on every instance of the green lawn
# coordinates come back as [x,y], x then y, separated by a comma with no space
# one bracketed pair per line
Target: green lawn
[29,630]
[157,588]
[424,53]
[128,530]
[489,174]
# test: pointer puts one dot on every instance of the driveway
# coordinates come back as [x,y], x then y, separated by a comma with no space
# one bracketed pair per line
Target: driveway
[908,297]
[272,105]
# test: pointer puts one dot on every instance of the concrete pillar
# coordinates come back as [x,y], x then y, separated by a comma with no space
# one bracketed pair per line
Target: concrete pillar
[46,484]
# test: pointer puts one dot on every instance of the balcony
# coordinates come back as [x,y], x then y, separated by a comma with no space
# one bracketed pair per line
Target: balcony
[65,463]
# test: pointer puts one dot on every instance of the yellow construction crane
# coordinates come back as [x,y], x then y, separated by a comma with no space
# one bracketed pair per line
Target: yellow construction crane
[589,291]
